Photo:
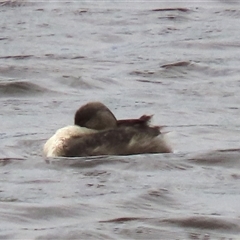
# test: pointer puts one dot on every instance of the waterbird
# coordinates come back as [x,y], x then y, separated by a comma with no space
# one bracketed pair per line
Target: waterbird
[96,131]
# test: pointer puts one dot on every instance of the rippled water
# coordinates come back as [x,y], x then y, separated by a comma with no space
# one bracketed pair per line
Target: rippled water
[176,60]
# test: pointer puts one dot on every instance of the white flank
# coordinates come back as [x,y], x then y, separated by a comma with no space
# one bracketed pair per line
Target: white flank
[54,147]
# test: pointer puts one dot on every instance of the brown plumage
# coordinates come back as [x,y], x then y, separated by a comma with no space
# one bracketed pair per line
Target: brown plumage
[98,132]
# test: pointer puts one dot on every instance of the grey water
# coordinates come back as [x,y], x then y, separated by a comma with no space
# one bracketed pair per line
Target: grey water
[178,60]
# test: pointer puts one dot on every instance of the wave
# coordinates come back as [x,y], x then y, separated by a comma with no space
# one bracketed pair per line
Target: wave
[202,222]
[173,161]
[21,88]
[16,57]
[187,70]
[77,83]
[227,158]
[171,10]
[15,3]
[205,222]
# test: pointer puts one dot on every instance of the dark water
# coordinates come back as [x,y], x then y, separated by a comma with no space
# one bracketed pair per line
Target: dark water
[176,60]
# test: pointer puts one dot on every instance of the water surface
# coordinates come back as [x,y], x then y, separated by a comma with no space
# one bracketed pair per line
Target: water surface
[176,60]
